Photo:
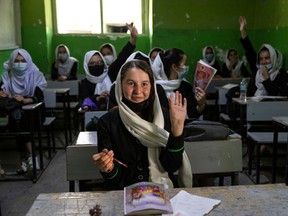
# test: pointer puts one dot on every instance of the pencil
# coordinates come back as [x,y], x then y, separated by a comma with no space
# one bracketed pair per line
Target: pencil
[121,163]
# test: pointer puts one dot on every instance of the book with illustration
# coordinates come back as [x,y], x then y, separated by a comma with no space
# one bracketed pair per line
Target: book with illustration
[203,75]
[146,198]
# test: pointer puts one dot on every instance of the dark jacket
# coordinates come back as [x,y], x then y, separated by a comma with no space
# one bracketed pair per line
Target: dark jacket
[112,134]
[186,89]
[277,87]
[72,74]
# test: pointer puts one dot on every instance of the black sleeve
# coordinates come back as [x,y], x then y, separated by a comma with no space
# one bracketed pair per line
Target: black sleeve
[225,72]
[112,98]
[54,73]
[250,53]
[244,71]
[87,89]
[73,72]
[217,67]
[121,58]
[279,86]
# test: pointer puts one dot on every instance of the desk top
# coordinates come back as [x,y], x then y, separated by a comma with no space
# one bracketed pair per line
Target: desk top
[268,199]
[31,106]
[87,138]
[281,119]
[59,90]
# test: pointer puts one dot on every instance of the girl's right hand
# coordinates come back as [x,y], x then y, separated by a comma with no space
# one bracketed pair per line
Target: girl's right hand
[104,160]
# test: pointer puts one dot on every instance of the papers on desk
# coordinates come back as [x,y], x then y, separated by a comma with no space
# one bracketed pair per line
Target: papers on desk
[268,98]
[184,204]
[229,86]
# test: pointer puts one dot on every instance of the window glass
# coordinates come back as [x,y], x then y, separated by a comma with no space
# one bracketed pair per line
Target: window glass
[97,16]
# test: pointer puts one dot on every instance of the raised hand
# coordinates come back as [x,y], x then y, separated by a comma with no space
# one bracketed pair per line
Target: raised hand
[178,113]
[243,24]
[133,32]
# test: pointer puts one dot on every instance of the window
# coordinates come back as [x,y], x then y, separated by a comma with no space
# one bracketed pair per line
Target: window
[99,16]
[10,36]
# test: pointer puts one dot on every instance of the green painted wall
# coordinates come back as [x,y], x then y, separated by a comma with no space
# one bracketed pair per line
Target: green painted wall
[187,24]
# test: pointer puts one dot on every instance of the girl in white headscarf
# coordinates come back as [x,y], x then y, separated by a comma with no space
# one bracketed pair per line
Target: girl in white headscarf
[23,82]
[169,71]
[65,67]
[97,83]
[268,77]
[233,67]
[135,133]
[209,57]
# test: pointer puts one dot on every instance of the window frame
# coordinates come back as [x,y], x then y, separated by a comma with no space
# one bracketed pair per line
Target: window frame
[146,4]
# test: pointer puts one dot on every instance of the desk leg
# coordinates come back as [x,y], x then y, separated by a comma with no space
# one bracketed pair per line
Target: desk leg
[34,171]
[71,186]
[69,118]
[275,146]
[286,169]
[65,119]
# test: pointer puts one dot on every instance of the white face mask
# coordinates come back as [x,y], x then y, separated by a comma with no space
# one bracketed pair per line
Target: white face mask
[19,67]
[183,73]
[109,59]
[63,56]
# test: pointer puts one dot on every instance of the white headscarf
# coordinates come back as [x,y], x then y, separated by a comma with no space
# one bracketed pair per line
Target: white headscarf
[204,55]
[64,68]
[153,136]
[103,82]
[25,83]
[236,71]
[151,51]
[114,53]
[168,85]
[276,65]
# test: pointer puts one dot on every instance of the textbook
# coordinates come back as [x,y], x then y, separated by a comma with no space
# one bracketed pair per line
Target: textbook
[146,198]
[203,75]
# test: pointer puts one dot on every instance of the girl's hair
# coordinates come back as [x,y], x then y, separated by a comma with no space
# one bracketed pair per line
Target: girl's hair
[170,57]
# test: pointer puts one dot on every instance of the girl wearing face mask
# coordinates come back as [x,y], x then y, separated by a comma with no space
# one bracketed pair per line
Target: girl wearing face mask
[170,70]
[268,76]
[65,67]
[97,83]
[108,51]
[209,57]
[23,82]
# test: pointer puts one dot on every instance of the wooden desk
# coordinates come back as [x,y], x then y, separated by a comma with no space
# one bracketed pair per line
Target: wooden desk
[268,199]
[280,122]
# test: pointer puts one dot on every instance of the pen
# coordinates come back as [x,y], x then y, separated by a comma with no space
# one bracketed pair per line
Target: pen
[121,163]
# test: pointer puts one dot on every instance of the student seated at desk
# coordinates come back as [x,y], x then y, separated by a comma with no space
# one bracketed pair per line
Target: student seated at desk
[146,137]
[268,76]
[233,67]
[210,58]
[22,81]
[64,67]
[108,51]
[170,70]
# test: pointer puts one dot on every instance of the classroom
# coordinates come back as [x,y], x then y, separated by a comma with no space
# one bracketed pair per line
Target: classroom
[232,163]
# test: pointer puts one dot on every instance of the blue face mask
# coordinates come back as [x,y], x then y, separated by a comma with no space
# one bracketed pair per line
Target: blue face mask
[209,57]
[19,67]
[183,73]
[63,56]
[268,66]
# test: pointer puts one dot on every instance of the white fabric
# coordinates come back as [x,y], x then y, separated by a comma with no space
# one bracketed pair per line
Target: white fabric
[64,68]
[151,51]
[273,72]
[168,85]
[103,82]
[114,53]
[203,54]
[236,71]
[153,136]
[132,56]
[26,83]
